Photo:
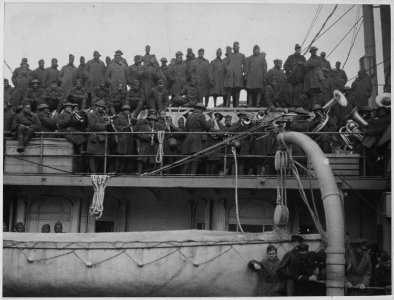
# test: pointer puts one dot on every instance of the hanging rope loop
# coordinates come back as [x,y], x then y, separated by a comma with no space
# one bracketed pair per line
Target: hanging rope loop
[99,184]
[234,151]
[160,151]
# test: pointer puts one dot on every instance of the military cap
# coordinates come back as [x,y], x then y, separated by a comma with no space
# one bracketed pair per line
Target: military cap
[301,111]
[67,104]
[201,50]
[42,106]
[303,247]
[228,48]
[297,238]
[75,104]
[163,59]
[277,60]
[54,59]
[100,103]
[24,60]
[316,107]
[96,52]
[322,53]
[366,108]
[126,107]
[108,58]
[34,81]
[199,105]
[70,55]
[235,44]
[256,46]
[119,52]
[151,117]
[297,46]
[359,241]
[218,115]
[313,48]
[189,50]
[179,53]
[228,117]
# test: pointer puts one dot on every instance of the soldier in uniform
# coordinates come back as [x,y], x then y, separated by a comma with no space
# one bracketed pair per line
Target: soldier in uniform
[58,228]
[118,99]
[117,72]
[151,75]
[295,77]
[193,143]
[22,76]
[119,53]
[25,124]
[178,75]
[46,228]
[81,72]
[326,64]
[97,121]
[159,97]
[278,73]
[48,123]
[34,95]
[54,97]
[362,87]
[216,74]
[96,71]
[200,68]
[136,71]
[126,145]
[166,73]
[324,140]
[135,98]
[255,71]
[67,74]
[189,95]
[78,94]
[147,57]
[51,73]
[101,92]
[39,72]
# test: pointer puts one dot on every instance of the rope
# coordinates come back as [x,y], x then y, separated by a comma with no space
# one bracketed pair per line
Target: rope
[383,61]
[324,24]
[160,153]
[9,68]
[353,42]
[99,184]
[236,187]
[312,23]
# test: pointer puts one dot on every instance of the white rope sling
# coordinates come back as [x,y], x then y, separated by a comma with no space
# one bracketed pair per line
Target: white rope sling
[99,184]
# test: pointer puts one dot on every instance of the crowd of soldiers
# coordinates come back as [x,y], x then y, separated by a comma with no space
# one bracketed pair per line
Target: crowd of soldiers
[99,97]
[303,273]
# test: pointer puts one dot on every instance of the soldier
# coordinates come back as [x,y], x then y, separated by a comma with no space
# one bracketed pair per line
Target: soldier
[34,95]
[326,64]
[341,72]
[227,121]
[362,88]
[25,124]
[81,72]
[39,72]
[136,71]
[227,90]
[151,75]
[67,74]
[48,123]
[96,71]
[126,145]
[165,71]
[295,77]
[178,75]
[108,61]
[135,98]
[272,94]
[78,94]
[101,92]
[148,57]
[58,228]
[255,70]
[200,68]
[54,96]
[97,121]
[118,99]
[51,73]
[382,275]
[212,161]
[190,57]
[119,53]
[193,143]
[117,71]
[159,97]
[46,228]
[171,144]
[235,73]
[188,96]
[216,74]
[278,73]
[9,115]
[22,76]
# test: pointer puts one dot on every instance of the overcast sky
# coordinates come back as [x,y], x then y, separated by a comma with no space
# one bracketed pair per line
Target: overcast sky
[47,30]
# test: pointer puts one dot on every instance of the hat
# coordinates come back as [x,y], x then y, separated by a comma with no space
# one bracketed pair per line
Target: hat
[228,48]
[218,115]
[42,106]
[366,108]
[201,50]
[297,46]
[297,238]
[70,55]
[163,59]
[300,110]
[126,107]
[228,117]
[313,48]
[179,53]
[189,50]
[256,46]
[199,105]
[24,60]
[316,107]
[303,247]
[119,52]
[34,81]
[277,60]
[359,241]
[75,104]
[67,104]
[100,103]
[152,116]
[235,44]
[322,53]
[96,52]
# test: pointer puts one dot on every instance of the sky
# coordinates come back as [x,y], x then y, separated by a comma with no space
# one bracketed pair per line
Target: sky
[47,30]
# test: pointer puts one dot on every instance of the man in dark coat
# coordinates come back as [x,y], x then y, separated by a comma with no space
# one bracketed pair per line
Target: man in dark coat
[34,95]
[117,100]
[81,72]
[117,72]
[136,71]
[54,97]
[189,95]
[193,143]
[362,87]
[178,75]
[48,123]
[69,122]
[126,145]
[200,68]
[342,111]
[101,92]
[166,73]
[25,124]
[278,73]
[135,98]
[234,79]
[190,57]
[324,140]
[151,75]
[96,71]
[341,72]
[256,69]
[216,75]
[22,76]
[118,54]
[97,121]
[51,73]
[326,64]
[67,74]
[382,275]
[159,97]
[295,77]
[78,94]
[226,80]
[147,57]
[39,72]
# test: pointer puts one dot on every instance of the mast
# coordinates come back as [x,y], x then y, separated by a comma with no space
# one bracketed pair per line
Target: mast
[385,21]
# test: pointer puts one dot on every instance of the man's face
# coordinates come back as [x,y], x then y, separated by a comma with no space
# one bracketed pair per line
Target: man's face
[120,87]
[274,83]
[20,228]
[193,81]
[162,113]
[45,229]
[278,64]
[163,63]
[147,49]
[100,109]
[219,53]
[54,63]
[96,56]
[27,108]
[152,61]
[136,84]
[58,228]
[227,122]
[361,74]
[200,54]
[117,57]
[256,51]
[271,255]
[303,253]
[102,83]
[181,123]
[236,48]
[323,55]
[71,59]
[338,65]
[161,84]
[35,85]
[78,83]
[179,58]
[82,60]
[108,60]
[313,52]
[69,108]
[41,64]
[298,51]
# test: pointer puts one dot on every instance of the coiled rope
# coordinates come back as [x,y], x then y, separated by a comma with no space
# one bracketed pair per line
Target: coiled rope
[236,188]
[99,184]
[160,152]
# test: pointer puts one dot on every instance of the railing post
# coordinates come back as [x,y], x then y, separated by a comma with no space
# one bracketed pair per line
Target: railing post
[105,153]
[41,152]
[364,164]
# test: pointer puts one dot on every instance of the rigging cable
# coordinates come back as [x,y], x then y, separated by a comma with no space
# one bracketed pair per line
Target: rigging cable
[312,23]
[374,66]
[354,41]
[236,188]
